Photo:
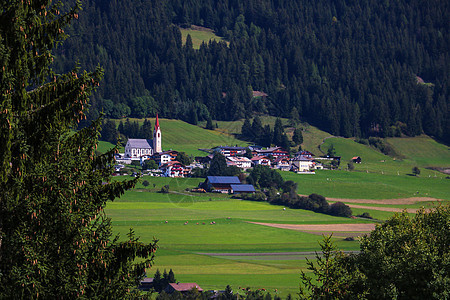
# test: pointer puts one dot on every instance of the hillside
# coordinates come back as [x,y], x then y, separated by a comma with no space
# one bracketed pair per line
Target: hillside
[348,68]
[182,136]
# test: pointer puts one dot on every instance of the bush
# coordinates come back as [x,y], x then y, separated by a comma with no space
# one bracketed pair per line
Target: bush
[340,209]
[165,189]
[145,183]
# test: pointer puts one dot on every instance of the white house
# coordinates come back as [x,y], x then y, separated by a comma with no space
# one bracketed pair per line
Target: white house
[240,162]
[173,169]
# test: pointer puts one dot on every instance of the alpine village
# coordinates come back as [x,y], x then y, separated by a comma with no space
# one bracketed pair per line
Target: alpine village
[224,150]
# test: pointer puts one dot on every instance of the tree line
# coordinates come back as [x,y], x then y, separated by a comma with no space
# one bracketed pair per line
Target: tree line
[351,68]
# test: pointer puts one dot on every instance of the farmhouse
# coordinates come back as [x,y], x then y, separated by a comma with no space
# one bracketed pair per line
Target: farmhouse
[136,148]
[221,184]
[182,287]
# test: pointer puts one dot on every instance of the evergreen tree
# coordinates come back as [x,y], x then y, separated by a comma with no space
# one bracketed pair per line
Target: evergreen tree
[297,138]
[257,128]
[109,132]
[218,166]
[171,277]
[277,132]
[209,124]
[246,130]
[146,131]
[56,241]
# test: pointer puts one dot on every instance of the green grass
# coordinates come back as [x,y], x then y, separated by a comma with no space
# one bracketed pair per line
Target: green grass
[181,245]
[422,151]
[199,36]
[181,136]
[361,185]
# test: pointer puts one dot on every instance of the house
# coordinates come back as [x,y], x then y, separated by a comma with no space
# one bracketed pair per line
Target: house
[305,153]
[173,169]
[165,157]
[261,160]
[240,162]
[281,163]
[273,151]
[356,159]
[302,163]
[220,184]
[135,148]
[182,287]
[230,150]
[242,188]
[146,284]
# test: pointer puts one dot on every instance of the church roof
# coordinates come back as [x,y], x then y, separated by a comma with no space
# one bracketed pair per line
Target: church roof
[140,143]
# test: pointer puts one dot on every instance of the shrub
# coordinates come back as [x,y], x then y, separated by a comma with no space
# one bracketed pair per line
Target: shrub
[340,209]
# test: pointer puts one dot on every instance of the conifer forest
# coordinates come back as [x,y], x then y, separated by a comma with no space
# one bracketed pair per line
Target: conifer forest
[352,68]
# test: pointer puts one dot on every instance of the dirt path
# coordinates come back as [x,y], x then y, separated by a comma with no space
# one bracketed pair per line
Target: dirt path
[400,201]
[393,209]
[322,227]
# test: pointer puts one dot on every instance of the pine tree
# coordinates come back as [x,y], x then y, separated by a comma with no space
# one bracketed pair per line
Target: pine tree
[146,130]
[297,138]
[56,241]
[171,277]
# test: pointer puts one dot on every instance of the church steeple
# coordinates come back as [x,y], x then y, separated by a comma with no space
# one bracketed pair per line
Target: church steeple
[157,137]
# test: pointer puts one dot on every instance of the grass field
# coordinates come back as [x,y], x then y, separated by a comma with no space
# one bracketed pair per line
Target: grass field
[199,35]
[189,249]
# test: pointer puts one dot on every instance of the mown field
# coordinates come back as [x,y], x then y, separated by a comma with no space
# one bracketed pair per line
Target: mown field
[194,250]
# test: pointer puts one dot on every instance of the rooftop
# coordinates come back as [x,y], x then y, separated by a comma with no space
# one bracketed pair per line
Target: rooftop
[243,188]
[224,179]
[140,143]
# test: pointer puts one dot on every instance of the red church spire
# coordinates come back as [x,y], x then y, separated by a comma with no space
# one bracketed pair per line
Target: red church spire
[157,122]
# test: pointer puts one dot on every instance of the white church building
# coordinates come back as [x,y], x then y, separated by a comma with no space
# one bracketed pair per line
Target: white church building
[136,148]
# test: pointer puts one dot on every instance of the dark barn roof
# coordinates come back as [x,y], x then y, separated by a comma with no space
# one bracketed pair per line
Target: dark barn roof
[224,180]
[243,188]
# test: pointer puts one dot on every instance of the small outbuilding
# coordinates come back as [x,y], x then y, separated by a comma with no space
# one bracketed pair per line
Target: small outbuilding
[356,159]
[242,188]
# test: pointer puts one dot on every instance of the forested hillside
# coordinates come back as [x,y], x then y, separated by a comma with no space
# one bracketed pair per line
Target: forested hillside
[352,68]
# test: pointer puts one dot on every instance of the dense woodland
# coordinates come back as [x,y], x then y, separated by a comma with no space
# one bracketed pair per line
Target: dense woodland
[349,67]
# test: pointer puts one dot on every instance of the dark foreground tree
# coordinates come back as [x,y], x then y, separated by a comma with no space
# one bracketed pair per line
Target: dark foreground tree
[404,258]
[55,240]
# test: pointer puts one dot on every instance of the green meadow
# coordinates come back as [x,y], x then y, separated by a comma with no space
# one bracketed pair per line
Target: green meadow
[199,35]
[194,248]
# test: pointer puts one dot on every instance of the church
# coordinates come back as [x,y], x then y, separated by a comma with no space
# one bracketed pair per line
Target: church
[136,148]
